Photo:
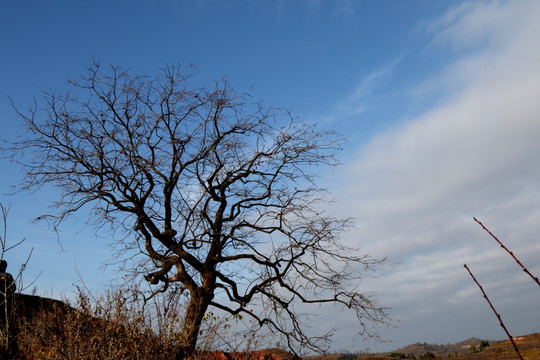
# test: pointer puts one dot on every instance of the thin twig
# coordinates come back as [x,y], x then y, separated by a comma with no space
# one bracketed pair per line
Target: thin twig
[508,251]
[495,311]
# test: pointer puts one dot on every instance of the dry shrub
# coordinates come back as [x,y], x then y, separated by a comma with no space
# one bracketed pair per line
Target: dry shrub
[113,326]
[120,325]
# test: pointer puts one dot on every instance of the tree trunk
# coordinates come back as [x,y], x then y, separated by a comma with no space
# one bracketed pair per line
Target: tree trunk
[197,307]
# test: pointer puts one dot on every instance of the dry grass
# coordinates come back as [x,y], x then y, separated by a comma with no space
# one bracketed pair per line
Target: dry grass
[119,325]
[110,328]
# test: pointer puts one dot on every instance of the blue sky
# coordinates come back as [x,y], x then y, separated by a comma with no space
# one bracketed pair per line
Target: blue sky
[439,100]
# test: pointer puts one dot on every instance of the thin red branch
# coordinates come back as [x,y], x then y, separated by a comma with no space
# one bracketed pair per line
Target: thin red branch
[508,251]
[495,311]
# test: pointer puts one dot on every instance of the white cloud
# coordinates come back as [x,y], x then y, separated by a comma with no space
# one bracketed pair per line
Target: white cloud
[345,8]
[354,104]
[472,23]
[414,189]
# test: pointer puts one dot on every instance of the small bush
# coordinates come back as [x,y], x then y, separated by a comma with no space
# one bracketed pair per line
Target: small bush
[110,328]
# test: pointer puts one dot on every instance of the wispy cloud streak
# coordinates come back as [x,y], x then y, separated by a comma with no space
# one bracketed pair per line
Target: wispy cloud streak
[357,101]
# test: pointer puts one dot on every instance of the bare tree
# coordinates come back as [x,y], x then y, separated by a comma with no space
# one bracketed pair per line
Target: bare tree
[215,190]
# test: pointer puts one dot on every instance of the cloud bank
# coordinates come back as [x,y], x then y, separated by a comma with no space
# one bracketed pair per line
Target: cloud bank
[415,188]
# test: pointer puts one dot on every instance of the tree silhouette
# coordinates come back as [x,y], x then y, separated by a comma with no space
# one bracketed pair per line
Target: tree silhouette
[216,192]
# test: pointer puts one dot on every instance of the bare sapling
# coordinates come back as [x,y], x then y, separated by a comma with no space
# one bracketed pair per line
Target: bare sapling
[508,251]
[496,313]
[8,285]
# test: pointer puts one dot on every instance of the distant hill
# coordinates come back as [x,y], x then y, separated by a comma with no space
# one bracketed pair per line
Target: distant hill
[529,346]
[463,347]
